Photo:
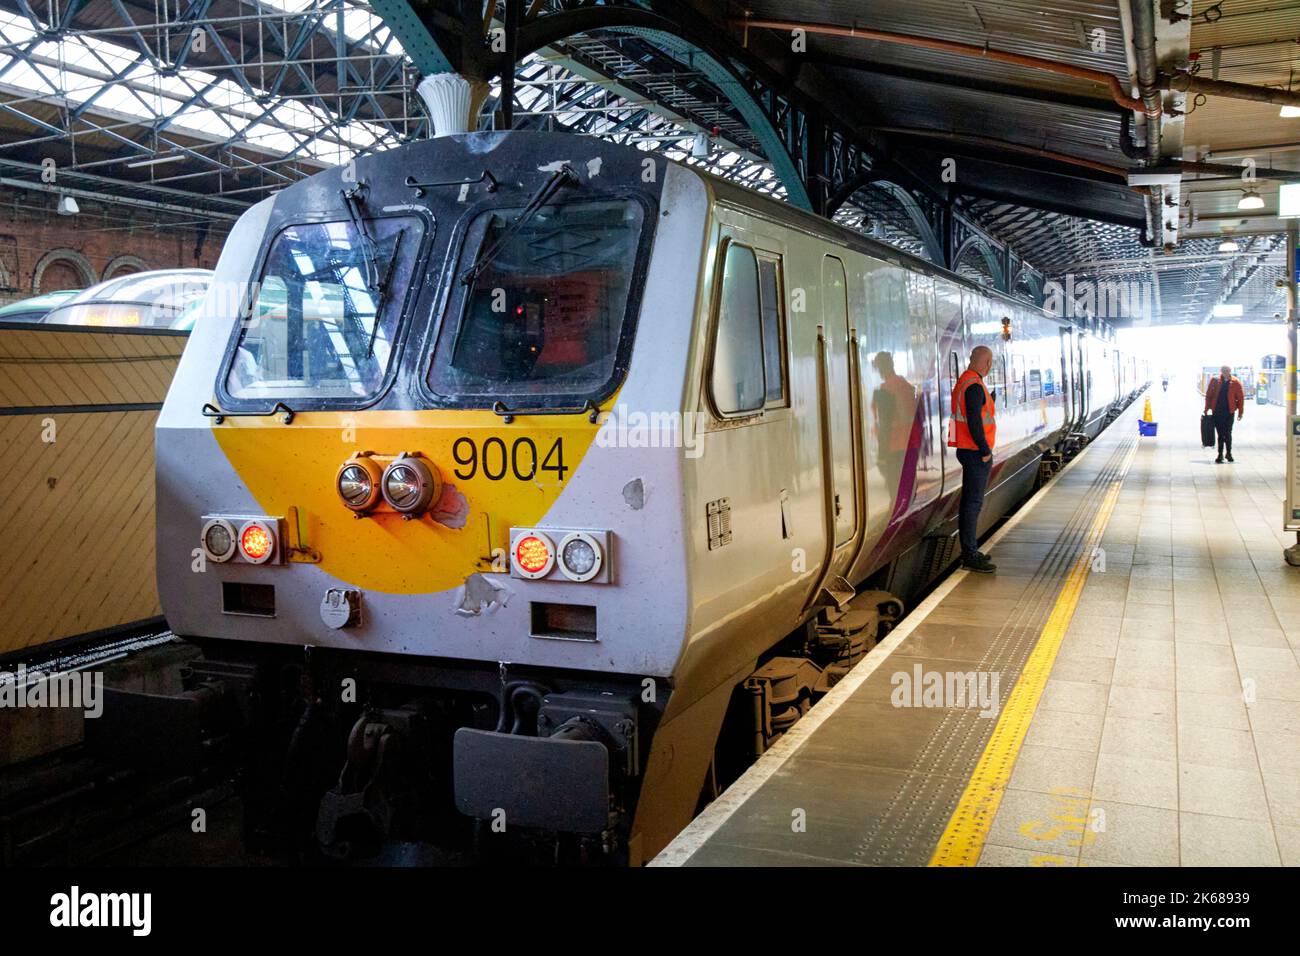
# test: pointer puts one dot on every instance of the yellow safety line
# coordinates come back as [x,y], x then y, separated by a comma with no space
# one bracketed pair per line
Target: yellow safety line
[969,826]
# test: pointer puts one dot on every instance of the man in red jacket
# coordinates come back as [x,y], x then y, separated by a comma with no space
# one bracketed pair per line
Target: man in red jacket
[1223,396]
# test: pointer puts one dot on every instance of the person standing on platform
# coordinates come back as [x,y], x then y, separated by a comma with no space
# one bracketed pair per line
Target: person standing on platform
[972,430]
[1223,396]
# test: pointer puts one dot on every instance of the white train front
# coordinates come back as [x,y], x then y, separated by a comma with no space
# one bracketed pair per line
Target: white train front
[554,466]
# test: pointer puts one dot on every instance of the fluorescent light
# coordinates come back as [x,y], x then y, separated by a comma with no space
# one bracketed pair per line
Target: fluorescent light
[1288,201]
[1289,112]
[156,161]
[1225,310]
[1229,245]
[1251,200]
[1142,177]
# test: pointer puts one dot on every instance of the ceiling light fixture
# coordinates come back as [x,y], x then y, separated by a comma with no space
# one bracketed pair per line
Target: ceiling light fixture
[156,161]
[1251,200]
[1289,112]
[1229,245]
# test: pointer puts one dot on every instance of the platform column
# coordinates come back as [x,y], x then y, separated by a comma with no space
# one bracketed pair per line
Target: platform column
[1292,554]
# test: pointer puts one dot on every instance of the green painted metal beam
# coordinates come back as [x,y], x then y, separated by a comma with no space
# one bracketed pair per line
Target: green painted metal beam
[414,36]
[691,56]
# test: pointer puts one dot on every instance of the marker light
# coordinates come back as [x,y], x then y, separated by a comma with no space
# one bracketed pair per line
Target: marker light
[218,539]
[580,557]
[409,485]
[358,483]
[533,555]
[256,542]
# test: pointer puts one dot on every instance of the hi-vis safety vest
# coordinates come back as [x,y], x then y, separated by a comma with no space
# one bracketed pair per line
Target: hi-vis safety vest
[959,435]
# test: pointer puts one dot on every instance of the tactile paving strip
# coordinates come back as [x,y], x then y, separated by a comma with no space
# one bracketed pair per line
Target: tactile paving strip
[906,833]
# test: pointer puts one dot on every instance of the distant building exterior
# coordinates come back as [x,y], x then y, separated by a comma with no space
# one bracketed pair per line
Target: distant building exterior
[42,251]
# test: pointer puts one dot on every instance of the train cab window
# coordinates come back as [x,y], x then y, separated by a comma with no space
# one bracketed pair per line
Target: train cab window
[327,307]
[547,315]
[738,385]
[749,342]
[769,279]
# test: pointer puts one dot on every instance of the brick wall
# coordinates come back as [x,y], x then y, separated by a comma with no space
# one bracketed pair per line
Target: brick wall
[42,251]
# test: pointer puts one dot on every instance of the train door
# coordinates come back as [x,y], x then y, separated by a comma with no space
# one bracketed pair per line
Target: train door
[840,393]
[1069,374]
[1083,354]
[953,355]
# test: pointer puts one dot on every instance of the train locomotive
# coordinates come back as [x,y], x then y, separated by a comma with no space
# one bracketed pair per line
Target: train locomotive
[529,470]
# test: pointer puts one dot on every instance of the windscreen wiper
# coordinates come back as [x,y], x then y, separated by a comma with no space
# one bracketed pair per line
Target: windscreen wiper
[352,199]
[564,176]
[376,280]
[383,291]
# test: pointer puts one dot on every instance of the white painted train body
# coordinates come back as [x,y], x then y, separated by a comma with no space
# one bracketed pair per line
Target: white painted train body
[554,445]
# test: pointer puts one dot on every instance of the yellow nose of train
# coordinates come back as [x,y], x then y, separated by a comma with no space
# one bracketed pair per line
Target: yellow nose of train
[408,502]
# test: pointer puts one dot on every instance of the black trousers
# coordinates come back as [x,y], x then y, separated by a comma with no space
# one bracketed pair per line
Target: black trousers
[974,479]
[1223,428]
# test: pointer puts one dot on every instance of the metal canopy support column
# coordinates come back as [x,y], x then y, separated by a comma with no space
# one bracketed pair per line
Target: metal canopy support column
[514,16]
[814,164]
[1291,554]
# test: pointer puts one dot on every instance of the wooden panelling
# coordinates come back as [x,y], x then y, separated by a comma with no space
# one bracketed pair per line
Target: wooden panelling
[77,414]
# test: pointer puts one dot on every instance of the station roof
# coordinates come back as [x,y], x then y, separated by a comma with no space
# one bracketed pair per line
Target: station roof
[200,124]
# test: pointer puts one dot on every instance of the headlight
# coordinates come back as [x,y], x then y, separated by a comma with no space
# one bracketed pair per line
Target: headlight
[409,485]
[358,483]
[580,557]
[257,542]
[533,555]
[218,539]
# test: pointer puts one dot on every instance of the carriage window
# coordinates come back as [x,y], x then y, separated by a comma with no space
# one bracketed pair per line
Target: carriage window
[326,311]
[996,381]
[773,330]
[738,383]
[546,316]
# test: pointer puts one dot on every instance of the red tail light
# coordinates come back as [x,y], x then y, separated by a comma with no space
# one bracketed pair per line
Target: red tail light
[534,555]
[256,542]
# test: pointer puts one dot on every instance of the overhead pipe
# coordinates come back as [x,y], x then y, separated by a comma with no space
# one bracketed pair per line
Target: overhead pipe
[1234,216]
[1127,141]
[1142,21]
[1148,75]
[1109,80]
[1192,84]
[1115,171]
[1231,171]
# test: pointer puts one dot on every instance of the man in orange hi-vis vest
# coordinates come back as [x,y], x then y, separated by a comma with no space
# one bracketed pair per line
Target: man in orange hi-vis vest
[972,430]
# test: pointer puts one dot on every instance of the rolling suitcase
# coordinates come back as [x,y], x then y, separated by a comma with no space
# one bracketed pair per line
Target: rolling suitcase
[1207,430]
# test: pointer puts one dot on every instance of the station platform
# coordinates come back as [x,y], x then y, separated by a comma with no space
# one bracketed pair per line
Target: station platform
[1140,639]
